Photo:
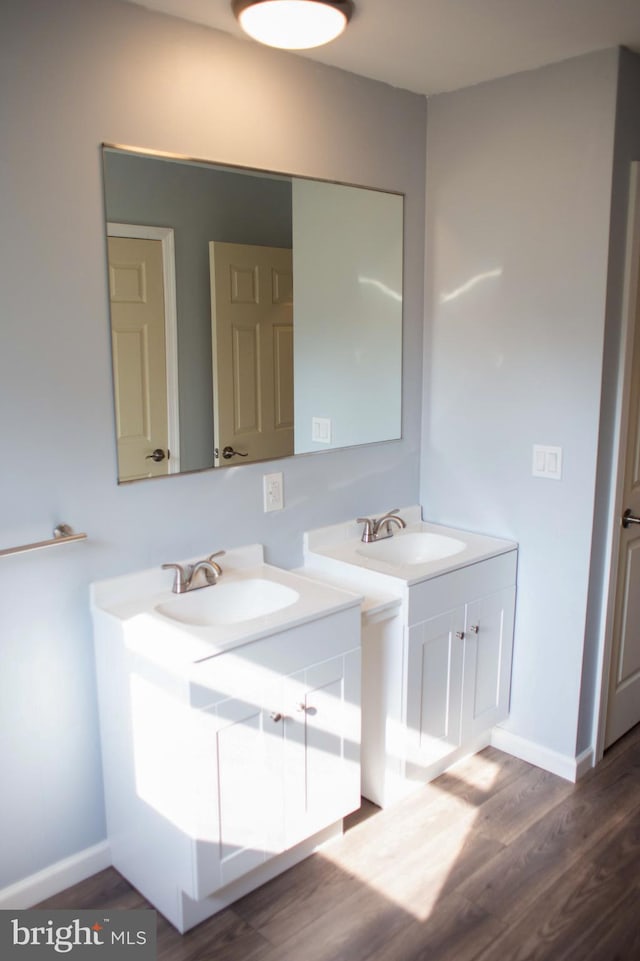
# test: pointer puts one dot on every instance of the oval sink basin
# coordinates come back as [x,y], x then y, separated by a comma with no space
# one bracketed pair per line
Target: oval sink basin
[415,547]
[229,603]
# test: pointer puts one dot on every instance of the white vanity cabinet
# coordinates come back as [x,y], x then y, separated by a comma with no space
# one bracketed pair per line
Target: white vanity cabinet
[458,664]
[437,668]
[231,747]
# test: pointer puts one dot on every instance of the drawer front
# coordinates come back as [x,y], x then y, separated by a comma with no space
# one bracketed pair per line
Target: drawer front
[252,666]
[458,587]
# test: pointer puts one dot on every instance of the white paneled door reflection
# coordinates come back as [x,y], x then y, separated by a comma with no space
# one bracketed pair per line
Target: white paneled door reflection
[252,343]
[140,316]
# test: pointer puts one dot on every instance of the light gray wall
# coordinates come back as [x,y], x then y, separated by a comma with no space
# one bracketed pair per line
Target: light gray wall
[517,230]
[74,74]
[201,204]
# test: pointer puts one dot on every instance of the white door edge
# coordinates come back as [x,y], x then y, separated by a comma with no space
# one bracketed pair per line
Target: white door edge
[165,236]
[631,292]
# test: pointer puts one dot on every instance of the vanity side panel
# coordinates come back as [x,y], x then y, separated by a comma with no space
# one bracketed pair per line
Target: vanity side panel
[383,741]
[145,847]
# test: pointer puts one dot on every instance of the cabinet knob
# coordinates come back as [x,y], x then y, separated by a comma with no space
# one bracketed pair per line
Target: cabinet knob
[475,628]
[276,716]
[306,709]
[460,634]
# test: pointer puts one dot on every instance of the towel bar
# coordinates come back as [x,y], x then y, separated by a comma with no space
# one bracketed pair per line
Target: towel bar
[62,534]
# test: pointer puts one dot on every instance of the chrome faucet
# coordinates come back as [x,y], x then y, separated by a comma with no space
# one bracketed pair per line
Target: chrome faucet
[377,530]
[191,577]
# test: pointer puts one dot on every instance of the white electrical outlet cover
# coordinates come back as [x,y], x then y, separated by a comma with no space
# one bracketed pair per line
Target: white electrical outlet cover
[272,490]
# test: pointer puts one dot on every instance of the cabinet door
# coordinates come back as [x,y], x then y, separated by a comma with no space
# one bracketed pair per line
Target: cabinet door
[434,688]
[322,746]
[487,669]
[249,744]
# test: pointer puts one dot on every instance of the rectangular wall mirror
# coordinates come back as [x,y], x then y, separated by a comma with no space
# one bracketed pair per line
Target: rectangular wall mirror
[254,316]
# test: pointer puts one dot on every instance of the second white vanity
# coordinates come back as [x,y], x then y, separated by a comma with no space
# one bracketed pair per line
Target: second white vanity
[437,638]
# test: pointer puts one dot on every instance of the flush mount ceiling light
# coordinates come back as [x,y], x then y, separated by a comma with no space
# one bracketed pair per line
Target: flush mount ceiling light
[293,24]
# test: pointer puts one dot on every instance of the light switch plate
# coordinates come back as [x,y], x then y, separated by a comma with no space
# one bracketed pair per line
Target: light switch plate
[547,462]
[273,492]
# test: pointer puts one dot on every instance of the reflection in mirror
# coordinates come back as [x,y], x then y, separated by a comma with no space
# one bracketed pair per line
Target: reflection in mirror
[253,315]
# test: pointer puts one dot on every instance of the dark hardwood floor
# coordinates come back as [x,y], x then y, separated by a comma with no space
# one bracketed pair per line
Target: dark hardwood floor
[494,861]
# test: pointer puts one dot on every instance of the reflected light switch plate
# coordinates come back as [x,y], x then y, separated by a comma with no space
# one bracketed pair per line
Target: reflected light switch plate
[321,430]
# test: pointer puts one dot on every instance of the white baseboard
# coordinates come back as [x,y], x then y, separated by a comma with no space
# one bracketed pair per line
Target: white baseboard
[45,884]
[565,766]
[584,762]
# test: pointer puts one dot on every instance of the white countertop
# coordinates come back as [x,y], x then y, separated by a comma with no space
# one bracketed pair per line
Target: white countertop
[343,543]
[134,600]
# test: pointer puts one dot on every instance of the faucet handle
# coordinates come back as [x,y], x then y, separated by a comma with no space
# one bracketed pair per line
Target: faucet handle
[181,578]
[367,534]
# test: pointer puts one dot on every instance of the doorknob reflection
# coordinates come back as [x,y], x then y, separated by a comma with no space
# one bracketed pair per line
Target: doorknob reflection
[157,455]
[628,518]
[229,452]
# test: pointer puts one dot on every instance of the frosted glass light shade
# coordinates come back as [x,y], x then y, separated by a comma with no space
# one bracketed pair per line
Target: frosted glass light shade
[293,24]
